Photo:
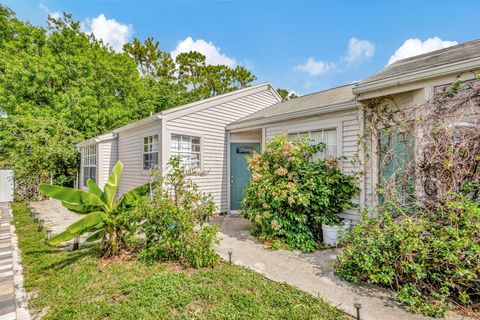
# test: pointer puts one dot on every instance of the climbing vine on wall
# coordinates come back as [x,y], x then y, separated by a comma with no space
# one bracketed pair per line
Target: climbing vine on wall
[425,242]
[426,153]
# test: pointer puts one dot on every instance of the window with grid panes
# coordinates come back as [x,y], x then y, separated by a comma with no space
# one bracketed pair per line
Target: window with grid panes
[187,148]
[327,136]
[89,164]
[150,152]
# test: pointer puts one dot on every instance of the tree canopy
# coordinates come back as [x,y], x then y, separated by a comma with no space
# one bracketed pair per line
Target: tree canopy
[59,86]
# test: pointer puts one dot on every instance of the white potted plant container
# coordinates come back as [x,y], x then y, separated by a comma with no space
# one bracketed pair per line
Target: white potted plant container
[332,229]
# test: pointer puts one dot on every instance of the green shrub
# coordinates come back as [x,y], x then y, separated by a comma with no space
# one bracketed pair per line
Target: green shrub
[289,194]
[430,258]
[173,221]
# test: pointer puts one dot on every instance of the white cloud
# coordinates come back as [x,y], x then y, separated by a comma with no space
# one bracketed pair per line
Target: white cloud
[359,50]
[53,14]
[110,31]
[315,67]
[208,49]
[414,47]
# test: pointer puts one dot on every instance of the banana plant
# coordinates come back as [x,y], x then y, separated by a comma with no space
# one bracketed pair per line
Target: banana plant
[105,218]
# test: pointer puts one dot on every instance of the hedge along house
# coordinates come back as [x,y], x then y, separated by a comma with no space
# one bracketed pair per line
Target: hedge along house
[195,132]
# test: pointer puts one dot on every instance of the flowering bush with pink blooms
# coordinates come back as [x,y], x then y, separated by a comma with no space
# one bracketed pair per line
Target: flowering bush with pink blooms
[289,194]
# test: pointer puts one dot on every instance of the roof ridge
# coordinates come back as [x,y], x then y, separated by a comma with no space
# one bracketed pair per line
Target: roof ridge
[324,90]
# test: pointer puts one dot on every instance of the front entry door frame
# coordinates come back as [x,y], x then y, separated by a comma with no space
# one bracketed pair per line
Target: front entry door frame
[231,158]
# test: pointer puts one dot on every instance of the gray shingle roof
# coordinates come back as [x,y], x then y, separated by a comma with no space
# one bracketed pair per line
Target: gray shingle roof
[464,51]
[324,98]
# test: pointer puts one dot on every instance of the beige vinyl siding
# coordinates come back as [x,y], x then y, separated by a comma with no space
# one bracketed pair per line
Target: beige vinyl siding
[347,125]
[209,124]
[130,152]
[107,157]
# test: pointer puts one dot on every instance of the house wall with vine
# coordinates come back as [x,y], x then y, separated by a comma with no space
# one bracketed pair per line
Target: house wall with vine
[406,108]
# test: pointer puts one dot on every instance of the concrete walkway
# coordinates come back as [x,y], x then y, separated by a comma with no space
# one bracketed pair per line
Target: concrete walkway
[312,273]
[12,295]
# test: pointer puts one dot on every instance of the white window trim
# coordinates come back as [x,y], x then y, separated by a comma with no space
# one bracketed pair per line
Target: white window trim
[337,127]
[187,133]
[147,170]
[84,165]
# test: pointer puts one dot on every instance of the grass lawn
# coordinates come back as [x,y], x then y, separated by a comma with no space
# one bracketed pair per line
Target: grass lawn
[78,285]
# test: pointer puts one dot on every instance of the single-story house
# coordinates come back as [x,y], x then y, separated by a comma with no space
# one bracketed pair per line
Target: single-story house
[215,134]
[195,132]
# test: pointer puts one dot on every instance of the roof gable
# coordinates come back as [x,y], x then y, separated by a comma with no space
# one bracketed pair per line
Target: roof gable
[191,108]
[325,99]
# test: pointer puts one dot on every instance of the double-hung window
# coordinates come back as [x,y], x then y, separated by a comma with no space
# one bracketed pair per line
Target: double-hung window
[89,164]
[328,137]
[150,152]
[187,148]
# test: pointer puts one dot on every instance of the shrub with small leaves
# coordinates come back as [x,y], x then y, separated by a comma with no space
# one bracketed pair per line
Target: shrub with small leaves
[290,194]
[173,220]
[429,258]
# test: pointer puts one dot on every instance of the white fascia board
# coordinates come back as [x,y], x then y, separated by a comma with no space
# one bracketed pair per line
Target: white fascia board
[174,113]
[443,70]
[275,93]
[293,115]
[139,123]
[103,137]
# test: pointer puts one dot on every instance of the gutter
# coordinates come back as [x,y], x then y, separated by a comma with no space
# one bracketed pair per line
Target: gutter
[293,115]
[455,67]
[97,139]
[139,123]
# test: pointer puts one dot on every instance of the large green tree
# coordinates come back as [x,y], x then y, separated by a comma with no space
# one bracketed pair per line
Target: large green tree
[196,79]
[59,86]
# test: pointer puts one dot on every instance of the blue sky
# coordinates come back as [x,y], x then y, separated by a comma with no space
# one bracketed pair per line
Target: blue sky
[303,46]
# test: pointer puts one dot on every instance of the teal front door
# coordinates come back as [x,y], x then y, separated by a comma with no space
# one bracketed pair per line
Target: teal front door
[397,166]
[239,173]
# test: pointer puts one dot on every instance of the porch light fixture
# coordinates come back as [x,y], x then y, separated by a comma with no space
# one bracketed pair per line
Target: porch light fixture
[40,225]
[49,234]
[230,252]
[76,243]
